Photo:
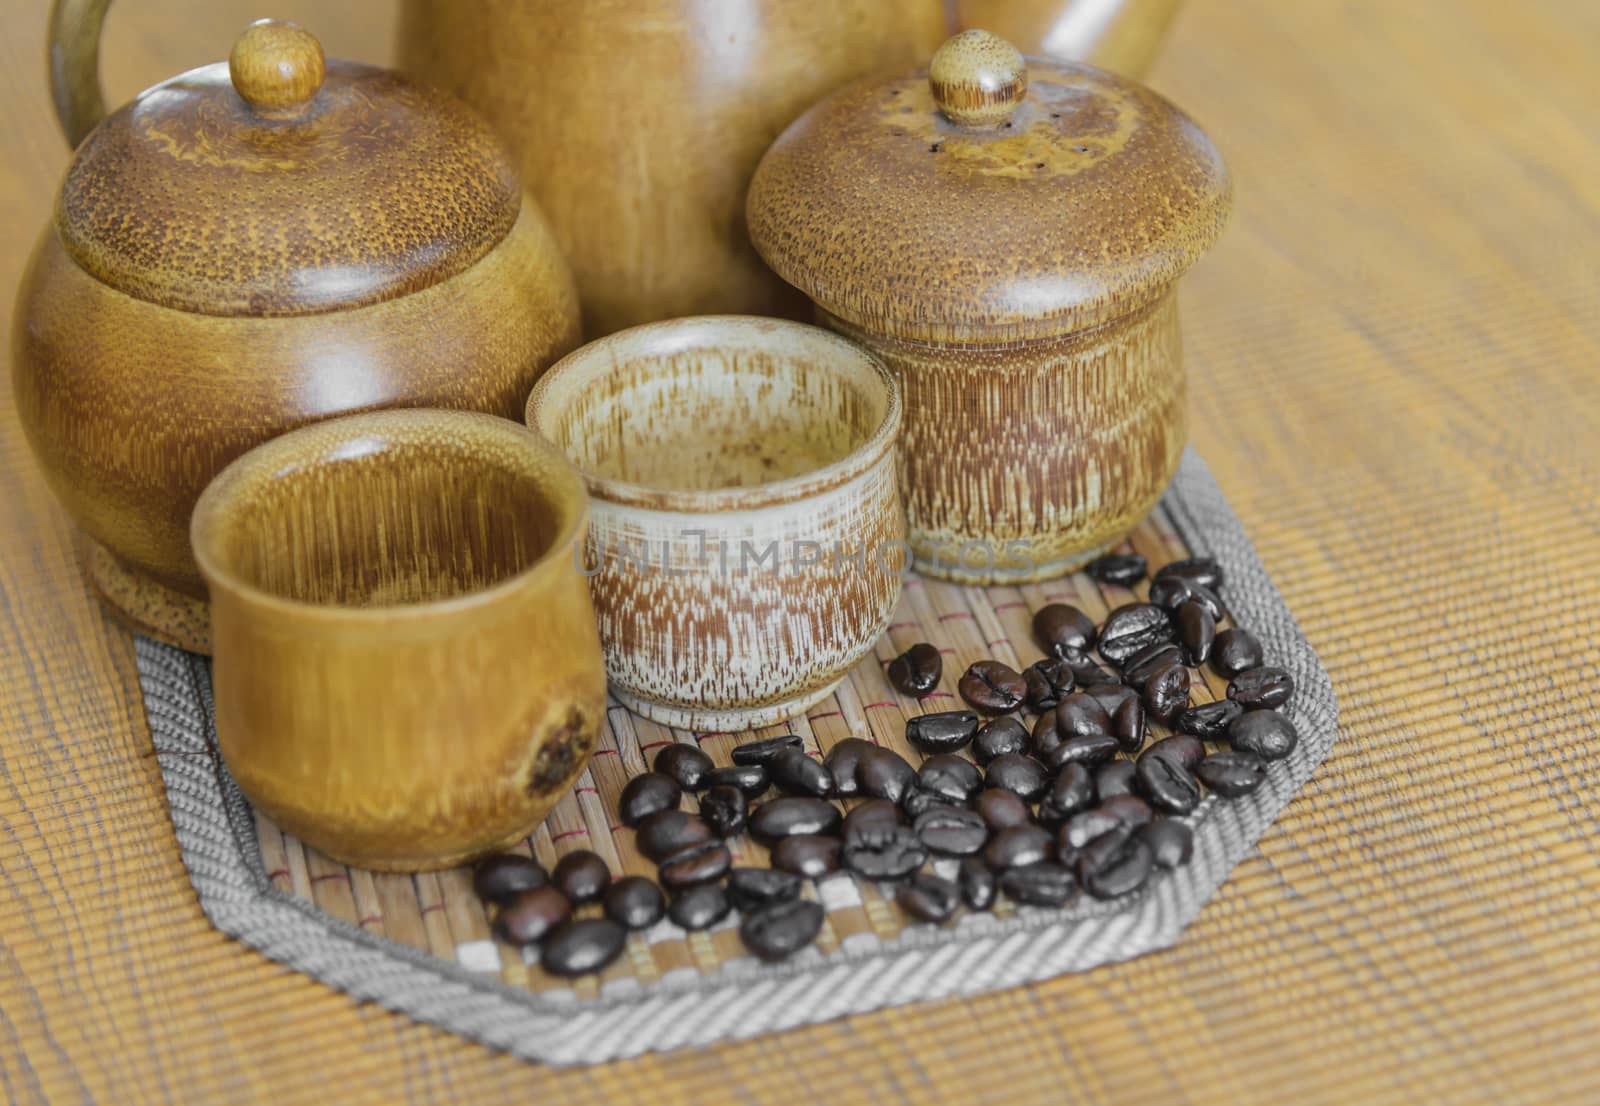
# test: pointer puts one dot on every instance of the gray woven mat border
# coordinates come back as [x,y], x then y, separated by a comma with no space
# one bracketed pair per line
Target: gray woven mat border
[216,834]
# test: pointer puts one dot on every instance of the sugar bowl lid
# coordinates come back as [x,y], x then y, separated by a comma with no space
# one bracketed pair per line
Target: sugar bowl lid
[279,183]
[988,196]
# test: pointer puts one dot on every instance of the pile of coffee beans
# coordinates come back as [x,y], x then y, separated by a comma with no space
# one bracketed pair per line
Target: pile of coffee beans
[1072,776]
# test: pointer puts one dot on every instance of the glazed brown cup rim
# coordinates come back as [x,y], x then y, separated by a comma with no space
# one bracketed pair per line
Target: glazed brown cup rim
[321,443]
[605,354]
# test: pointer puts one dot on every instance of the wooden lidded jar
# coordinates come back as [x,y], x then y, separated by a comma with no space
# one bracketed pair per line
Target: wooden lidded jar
[255,245]
[1007,233]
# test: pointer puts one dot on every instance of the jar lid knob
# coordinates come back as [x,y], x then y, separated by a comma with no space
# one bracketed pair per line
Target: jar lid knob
[978,79]
[277,68]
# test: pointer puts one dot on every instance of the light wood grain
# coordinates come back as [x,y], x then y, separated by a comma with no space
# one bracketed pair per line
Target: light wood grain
[1394,357]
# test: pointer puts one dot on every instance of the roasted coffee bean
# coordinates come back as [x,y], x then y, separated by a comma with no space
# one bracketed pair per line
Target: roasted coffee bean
[842,761]
[1266,733]
[1121,569]
[1147,662]
[794,816]
[634,902]
[1197,630]
[1098,852]
[1115,777]
[929,898]
[952,778]
[670,831]
[501,878]
[872,815]
[1111,697]
[944,732]
[582,876]
[781,931]
[696,864]
[1001,809]
[952,830]
[1091,748]
[1202,570]
[1019,773]
[797,774]
[767,749]
[884,774]
[582,947]
[1080,714]
[1128,809]
[998,737]
[1019,845]
[1046,735]
[725,810]
[1120,874]
[992,687]
[1072,791]
[1173,592]
[1128,726]
[916,672]
[1167,783]
[1235,651]
[978,884]
[1048,682]
[531,914]
[1255,688]
[645,794]
[812,857]
[1086,826]
[1181,747]
[918,799]
[892,853]
[1063,630]
[1171,842]
[1232,772]
[1133,627]
[685,764]
[752,779]
[753,889]
[1210,721]
[1085,673]
[1166,694]
[1041,884]
[699,907]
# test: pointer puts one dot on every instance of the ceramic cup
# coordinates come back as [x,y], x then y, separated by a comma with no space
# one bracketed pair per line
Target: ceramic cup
[407,671]
[747,537]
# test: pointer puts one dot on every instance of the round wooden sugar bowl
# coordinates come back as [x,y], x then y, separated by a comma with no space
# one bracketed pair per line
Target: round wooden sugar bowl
[1007,233]
[251,246]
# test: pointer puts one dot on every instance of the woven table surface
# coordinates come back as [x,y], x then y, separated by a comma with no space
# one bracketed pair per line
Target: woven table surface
[1396,380]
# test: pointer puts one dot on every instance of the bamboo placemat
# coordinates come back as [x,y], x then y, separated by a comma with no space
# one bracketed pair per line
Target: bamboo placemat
[423,943]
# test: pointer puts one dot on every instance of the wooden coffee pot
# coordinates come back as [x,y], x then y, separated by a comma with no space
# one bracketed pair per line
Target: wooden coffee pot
[251,246]
[1008,235]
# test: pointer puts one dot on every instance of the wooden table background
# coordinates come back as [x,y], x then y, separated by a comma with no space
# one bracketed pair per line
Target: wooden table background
[1396,363]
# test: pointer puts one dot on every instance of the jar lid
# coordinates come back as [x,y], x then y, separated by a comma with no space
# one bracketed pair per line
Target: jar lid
[988,197]
[280,184]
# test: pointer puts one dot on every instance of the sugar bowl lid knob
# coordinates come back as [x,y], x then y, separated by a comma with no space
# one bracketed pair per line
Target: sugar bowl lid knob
[978,79]
[277,67]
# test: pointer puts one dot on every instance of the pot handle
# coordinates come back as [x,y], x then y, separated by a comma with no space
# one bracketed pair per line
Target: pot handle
[75,66]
